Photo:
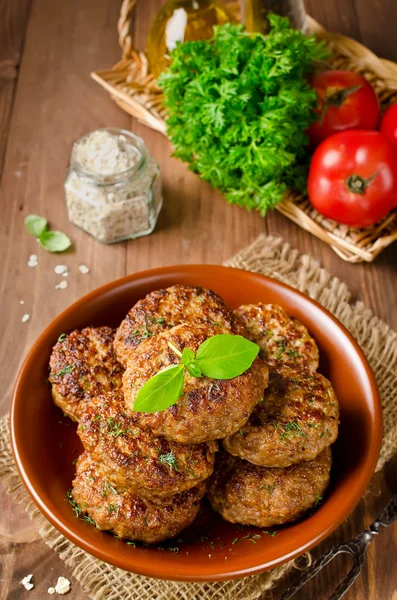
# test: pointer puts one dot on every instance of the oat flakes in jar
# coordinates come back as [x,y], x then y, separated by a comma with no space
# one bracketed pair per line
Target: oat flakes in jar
[112,187]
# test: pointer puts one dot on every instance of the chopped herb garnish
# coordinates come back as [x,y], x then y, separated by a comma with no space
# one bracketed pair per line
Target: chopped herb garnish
[319,499]
[114,508]
[114,427]
[82,427]
[250,536]
[62,337]
[291,427]
[72,501]
[170,460]
[64,371]
[108,488]
[133,544]
[160,320]
[97,418]
[271,533]
[89,520]
[75,461]
[291,353]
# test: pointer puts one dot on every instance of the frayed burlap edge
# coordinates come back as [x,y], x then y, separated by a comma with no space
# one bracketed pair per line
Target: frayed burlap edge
[270,256]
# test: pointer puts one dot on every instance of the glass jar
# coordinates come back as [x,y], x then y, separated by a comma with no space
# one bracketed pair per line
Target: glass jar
[110,202]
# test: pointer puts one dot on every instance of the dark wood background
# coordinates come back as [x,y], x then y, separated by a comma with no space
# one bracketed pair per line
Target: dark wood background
[47,50]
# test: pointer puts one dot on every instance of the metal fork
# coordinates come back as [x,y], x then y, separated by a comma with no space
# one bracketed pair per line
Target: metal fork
[355,548]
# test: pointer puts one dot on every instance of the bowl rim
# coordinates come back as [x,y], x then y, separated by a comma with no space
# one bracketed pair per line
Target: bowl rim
[92,549]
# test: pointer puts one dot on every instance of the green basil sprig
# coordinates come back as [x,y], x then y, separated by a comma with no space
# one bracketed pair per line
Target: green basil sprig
[53,241]
[222,356]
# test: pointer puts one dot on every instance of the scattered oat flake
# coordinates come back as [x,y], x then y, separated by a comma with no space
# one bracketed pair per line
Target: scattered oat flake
[62,285]
[22,302]
[84,269]
[65,274]
[62,586]
[51,590]
[27,582]
[33,260]
[25,318]
[61,269]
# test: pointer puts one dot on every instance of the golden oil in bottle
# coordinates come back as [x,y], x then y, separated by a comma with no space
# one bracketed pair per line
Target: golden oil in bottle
[179,21]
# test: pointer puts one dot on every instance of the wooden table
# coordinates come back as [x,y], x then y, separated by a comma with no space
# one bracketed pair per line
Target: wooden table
[48,48]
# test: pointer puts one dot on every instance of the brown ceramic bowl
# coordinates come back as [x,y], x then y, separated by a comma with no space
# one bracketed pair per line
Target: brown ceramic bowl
[45,444]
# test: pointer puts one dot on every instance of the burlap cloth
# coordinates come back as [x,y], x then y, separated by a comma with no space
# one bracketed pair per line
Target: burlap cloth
[270,256]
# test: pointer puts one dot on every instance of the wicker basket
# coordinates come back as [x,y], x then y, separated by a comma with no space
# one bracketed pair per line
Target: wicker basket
[132,86]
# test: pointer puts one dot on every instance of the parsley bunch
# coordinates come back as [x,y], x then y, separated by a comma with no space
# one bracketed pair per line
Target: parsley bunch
[238,108]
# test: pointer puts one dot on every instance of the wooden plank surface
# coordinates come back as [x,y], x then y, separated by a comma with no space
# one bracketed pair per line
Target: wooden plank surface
[42,111]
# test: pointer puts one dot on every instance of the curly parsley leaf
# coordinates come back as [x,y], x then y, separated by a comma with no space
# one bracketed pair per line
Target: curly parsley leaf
[238,109]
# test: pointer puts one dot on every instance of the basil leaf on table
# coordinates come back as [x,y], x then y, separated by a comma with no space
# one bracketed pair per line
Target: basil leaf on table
[225,356]
[35,225]
[54,241]
[161,391]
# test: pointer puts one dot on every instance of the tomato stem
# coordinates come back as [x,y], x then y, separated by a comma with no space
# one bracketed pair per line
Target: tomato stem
[337,99]
[357,184]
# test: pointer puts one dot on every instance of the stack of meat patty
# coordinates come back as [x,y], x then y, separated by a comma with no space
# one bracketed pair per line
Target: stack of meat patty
[142,475]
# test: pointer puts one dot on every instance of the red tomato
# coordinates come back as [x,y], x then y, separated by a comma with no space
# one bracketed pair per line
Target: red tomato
[353,177]
[345,101]
[388,125]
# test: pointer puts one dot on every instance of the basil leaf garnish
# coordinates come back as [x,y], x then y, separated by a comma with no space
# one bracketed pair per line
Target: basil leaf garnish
[161,391]
[225,356]
[222,356]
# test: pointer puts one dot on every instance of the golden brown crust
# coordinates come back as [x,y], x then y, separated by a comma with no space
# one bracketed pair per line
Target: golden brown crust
[251,495]
[297,419]
[208,408]
[283,339]
[135,460]
[83,366]
[164,309]
[127,515]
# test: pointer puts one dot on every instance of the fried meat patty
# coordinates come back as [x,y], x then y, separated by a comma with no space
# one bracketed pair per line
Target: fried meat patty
[208,408]
[127,515]
[135,460]
[297,419]
[283,339]
[251,495]
[163,309]
[83,365]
